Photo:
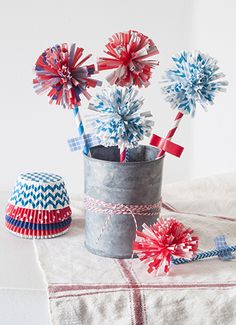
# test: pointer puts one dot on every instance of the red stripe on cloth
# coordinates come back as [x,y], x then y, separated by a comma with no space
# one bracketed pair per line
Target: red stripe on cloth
[120,287]
[62,288]
[136,293]
[82,294]
[169,207]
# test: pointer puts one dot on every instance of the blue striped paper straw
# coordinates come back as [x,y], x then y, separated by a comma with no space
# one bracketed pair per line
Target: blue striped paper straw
[200,256]
[80,129]
[127,155]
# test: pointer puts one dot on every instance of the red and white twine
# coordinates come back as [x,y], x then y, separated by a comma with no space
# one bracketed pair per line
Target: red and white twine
[109,209]
[101,207]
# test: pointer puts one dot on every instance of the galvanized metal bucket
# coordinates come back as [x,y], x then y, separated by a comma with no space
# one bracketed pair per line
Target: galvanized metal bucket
[137,182]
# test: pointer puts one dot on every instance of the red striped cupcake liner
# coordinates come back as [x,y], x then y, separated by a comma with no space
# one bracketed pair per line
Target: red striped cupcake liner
[38,216]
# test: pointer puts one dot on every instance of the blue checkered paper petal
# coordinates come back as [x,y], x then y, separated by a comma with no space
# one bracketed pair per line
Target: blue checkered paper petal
[220,244]
[78,142]
[194,78]
[118,120]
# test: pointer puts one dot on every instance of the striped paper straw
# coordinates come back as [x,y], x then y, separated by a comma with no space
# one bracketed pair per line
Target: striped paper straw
[80,129]
[122,153]
[127,154]
[200,256]
[172,131]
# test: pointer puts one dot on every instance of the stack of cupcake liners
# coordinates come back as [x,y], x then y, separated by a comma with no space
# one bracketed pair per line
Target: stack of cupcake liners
[38,206]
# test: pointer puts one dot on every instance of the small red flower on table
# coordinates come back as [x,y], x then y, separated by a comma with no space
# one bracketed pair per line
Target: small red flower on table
[166,238]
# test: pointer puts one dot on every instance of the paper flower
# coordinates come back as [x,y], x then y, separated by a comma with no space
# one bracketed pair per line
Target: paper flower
[166,238]
[118,120]
[59,72]
[194,79]
[129,53]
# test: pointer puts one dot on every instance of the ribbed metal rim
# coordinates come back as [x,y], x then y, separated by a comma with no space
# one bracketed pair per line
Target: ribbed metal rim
[132,163]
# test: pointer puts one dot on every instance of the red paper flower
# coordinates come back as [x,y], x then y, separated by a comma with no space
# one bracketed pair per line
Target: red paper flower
[167,237]
[59,71]
[130,52]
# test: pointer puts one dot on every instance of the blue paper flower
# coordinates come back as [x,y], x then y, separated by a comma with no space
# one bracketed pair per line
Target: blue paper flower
[119,121]
[194,79]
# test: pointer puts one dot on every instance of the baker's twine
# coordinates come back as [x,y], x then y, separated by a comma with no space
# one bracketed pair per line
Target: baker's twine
[102,207]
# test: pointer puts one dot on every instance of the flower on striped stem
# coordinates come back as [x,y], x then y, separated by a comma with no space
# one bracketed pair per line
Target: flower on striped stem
[167,238]
[61,72]
[129,58]
[118,120]
[194,79]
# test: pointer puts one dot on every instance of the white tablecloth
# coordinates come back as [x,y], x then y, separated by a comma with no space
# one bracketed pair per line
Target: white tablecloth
[23,295]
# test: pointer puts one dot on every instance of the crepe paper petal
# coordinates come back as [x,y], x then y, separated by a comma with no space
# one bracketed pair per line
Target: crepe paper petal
[194,79]
[225,252]
[60,72]
[129,56]
[118,120]
[156,244]
[78,142]
[166,145]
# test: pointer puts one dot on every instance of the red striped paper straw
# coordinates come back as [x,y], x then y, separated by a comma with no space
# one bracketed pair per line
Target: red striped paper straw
[172,131]
[122,153]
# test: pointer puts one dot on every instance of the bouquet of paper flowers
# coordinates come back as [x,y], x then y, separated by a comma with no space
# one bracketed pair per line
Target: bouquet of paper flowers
[114,118]
[118,119]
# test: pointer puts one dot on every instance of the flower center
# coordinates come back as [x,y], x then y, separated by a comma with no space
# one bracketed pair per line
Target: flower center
[125,58]
[65,73]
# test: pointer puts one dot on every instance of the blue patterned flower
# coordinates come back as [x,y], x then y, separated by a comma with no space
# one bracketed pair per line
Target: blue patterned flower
[118,121]
[194,79]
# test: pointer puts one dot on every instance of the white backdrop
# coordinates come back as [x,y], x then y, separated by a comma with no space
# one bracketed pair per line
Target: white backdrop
[33,133]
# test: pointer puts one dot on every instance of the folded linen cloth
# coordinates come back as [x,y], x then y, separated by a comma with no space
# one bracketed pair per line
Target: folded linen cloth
[91,290]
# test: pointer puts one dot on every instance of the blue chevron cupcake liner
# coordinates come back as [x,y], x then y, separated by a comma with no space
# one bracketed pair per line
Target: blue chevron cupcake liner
[40,191]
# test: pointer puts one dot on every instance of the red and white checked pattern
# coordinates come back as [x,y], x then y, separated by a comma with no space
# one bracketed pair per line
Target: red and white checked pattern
[172,131]
[98,206]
